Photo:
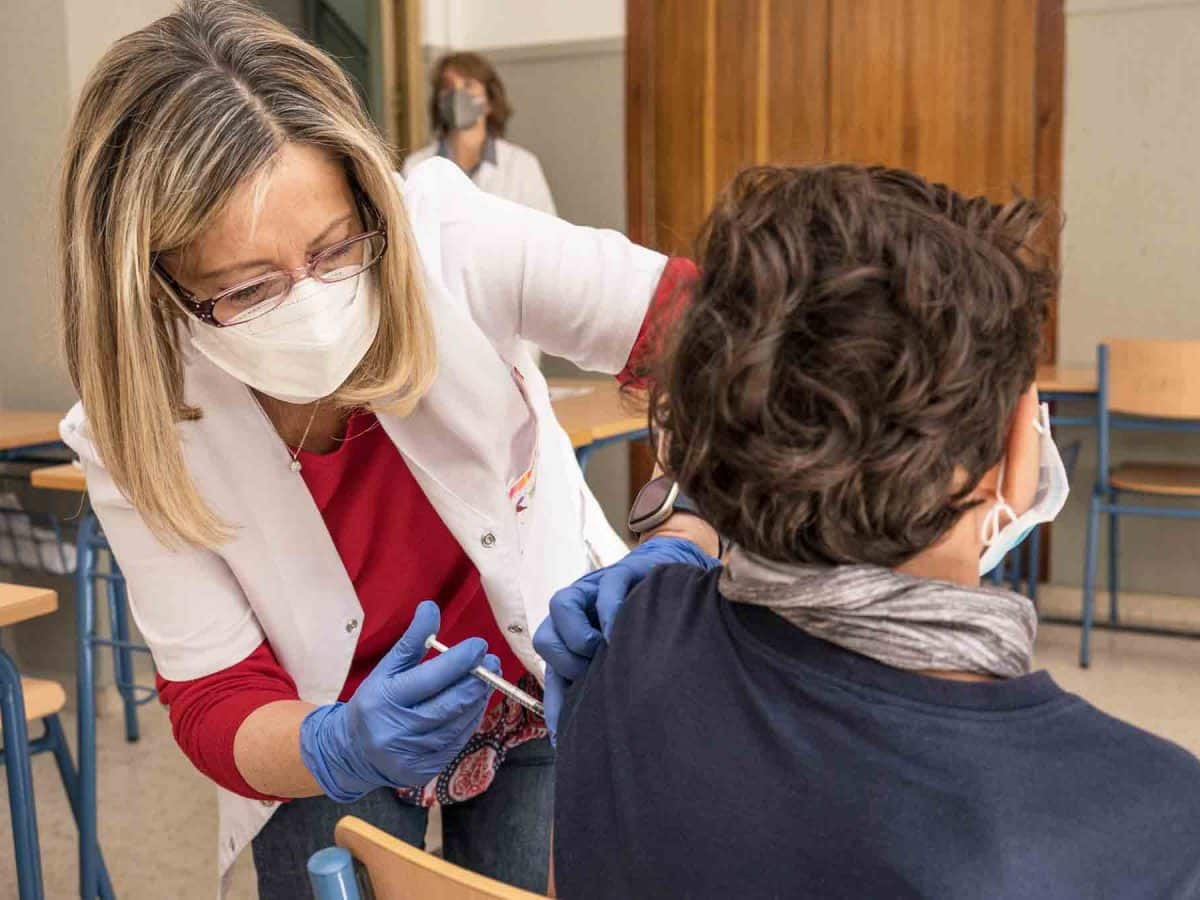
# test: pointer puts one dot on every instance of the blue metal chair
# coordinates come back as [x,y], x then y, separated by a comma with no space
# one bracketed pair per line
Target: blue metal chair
[36,700]
[46,543]
[1143,386]
[91,550]
[92,564]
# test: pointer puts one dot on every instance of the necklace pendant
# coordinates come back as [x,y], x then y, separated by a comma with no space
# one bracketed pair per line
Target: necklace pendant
[295,466]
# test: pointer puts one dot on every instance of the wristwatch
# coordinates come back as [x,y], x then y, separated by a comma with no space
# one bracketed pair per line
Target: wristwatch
[657,501]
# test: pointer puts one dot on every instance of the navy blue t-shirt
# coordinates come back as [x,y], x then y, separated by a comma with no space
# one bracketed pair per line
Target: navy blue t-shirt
[715,750]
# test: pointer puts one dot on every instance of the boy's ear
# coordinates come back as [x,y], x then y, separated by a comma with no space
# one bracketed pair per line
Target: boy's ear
[1022,460]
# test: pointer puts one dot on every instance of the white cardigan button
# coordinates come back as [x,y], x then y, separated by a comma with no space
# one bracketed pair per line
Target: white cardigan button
[514,628]
[351,626]
[488,540]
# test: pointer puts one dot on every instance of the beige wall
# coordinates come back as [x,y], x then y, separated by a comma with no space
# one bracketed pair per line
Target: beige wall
[47,48]
[1131,182]
[47,51]
[1131,247]
[33,107]
[467,24]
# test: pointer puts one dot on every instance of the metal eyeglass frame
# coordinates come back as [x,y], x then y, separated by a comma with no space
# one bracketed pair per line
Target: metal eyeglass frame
[203,309]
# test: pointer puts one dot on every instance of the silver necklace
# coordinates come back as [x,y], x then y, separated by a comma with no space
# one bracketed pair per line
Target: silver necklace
[295,463]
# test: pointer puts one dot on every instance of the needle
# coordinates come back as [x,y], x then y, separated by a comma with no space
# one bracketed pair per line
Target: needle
[507,688]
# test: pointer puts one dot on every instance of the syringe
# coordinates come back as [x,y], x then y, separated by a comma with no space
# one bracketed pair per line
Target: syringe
[507,688]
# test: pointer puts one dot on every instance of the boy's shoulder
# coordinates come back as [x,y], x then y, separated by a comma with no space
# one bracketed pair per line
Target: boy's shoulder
[672,598]
[1154,763]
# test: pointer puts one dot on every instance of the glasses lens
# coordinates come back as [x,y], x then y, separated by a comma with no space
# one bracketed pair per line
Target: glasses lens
[251,301]
[348,259]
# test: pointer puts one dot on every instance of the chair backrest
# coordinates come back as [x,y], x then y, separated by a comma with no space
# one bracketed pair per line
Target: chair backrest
[399,871]
[1157,379]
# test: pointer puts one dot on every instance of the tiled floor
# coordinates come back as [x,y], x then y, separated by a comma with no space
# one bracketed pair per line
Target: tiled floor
[158,816]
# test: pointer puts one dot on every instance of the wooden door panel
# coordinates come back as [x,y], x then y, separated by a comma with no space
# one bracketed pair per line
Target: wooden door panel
[735,92]
[679,116]
[943,87]
[795,127]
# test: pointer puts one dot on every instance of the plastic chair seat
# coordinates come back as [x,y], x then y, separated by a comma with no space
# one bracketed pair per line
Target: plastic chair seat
[1166,479]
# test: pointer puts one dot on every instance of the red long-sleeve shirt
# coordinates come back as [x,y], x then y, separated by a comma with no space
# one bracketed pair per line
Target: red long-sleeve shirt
[374,509]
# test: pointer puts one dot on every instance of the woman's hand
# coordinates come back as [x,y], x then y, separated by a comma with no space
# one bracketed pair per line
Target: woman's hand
[405,723]
[582,615]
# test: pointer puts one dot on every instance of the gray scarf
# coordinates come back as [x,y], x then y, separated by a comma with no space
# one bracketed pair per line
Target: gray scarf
[899,620]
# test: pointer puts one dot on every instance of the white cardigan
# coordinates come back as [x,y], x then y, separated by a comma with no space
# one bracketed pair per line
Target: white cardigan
[514,174]
[495,272]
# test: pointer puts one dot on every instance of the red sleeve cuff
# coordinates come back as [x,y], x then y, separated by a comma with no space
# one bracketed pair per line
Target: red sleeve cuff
[206,714]
[670,301]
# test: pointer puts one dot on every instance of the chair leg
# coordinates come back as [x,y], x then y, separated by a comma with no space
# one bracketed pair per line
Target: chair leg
[1089,577]
[996,576]
[118,617]
[1035,565]
[85,624]
[20,782]
[1113,560]
[331,875]
[70,782]
[1015,569]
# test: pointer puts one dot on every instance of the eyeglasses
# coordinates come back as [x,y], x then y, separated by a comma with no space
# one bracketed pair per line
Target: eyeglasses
[256,297]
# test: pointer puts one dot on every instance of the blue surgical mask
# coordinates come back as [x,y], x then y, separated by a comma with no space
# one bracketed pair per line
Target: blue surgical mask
[1000,536]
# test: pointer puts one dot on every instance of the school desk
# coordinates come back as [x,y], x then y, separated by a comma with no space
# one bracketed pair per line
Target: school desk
[23,431]
[594,413]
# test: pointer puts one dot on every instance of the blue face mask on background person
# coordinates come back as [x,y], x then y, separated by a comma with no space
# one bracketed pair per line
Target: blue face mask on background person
[1051,496]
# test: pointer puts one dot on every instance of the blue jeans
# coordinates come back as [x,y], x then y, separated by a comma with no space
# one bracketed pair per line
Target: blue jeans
[503,833]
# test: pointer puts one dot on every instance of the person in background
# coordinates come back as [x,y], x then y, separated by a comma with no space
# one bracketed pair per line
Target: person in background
[468,113]
[842,709]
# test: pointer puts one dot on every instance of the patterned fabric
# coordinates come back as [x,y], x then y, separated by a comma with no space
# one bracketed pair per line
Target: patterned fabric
[506,725]
[900,620]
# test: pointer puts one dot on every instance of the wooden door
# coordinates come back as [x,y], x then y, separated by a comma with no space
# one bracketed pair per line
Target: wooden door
[968,92]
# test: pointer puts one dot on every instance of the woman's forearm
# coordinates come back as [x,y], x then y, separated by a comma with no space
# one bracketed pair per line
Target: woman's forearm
[266,750]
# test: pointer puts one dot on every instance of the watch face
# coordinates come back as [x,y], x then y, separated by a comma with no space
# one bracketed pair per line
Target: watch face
[651,498]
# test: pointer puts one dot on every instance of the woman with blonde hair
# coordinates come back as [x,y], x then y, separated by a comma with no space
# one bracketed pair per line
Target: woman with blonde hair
[305,408]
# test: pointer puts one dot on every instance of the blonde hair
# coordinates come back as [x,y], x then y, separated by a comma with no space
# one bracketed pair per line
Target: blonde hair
[171,121]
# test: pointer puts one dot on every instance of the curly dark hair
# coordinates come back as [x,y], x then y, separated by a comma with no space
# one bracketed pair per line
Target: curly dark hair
[854,351]
[470,65]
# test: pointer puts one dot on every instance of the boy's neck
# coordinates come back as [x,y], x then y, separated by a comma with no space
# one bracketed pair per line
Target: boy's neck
[954,559]
[943,567]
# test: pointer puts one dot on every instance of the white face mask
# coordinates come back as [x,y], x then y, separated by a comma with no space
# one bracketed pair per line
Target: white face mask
[1052,490]
[306,347]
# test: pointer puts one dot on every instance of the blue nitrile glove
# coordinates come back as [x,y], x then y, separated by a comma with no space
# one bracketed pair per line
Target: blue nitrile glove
[582,615]
[407,720]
